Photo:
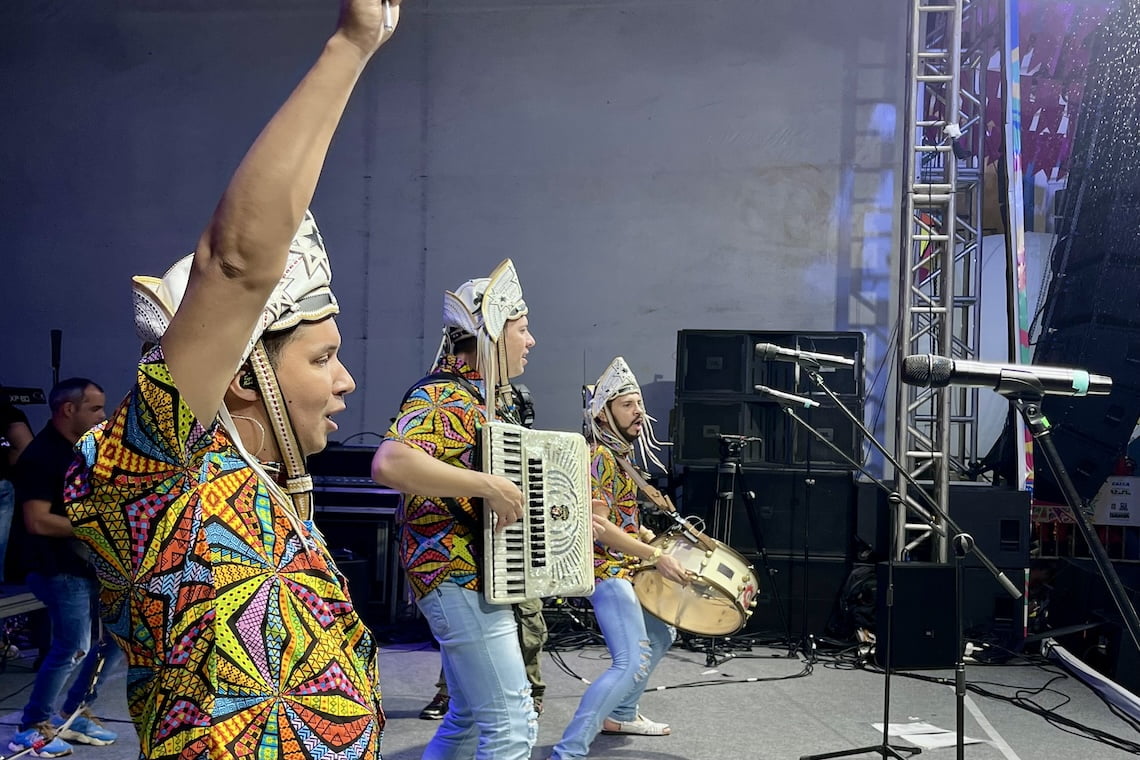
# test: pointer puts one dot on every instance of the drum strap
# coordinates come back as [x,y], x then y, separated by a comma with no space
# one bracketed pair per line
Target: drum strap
[663,502]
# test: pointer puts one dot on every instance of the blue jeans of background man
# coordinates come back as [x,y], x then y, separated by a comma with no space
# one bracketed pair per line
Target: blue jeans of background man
[7,509]
[491,715]
[637,641]
[72,604]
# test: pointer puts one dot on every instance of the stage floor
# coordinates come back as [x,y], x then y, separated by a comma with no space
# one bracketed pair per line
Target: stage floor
[758,704]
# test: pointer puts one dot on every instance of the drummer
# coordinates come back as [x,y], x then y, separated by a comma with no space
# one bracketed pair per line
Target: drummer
[617,422]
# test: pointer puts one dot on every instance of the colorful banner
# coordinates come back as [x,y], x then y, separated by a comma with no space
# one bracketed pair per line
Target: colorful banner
[1053,39]
[1015,235]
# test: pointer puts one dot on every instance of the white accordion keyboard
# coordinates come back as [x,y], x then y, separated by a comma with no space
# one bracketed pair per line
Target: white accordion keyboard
[550,551]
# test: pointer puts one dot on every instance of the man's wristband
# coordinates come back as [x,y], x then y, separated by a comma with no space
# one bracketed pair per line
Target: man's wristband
[656,554]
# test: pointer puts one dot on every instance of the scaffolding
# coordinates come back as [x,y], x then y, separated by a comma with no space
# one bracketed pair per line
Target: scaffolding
[940,271]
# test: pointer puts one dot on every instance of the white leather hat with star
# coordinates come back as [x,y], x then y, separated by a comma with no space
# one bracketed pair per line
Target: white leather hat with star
[303,294]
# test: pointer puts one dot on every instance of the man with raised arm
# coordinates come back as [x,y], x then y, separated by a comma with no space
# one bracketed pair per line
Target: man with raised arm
[193,497]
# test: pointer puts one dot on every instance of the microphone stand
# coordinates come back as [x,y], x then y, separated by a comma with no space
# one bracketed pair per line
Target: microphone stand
[727,486]
[807,640]
[731,447]
[56,340]
[938,520]
[1027,400]
[88,697]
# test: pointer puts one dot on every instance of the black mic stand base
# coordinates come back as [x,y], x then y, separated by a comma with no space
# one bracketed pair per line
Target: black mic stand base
[884,750]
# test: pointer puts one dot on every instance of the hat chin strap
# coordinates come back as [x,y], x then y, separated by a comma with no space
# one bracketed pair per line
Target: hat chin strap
[298,483]
[492,367]
[504,394]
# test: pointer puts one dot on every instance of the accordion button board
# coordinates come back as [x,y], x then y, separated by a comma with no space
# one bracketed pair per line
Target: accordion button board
[550,551]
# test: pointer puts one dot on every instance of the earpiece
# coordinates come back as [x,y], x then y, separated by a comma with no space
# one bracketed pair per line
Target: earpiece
[247,381]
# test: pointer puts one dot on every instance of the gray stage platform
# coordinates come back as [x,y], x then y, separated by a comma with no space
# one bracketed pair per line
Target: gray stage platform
[716,714]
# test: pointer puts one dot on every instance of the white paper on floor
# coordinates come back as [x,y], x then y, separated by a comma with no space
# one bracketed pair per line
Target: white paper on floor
[924,735]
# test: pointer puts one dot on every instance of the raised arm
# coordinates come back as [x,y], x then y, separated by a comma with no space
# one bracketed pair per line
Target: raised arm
[242,253]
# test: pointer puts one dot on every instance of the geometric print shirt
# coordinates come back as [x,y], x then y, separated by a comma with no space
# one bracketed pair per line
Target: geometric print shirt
[240,637]
[443,419]
[610,483]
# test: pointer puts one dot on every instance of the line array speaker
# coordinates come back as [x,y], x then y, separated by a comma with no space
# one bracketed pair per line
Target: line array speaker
[1089,316]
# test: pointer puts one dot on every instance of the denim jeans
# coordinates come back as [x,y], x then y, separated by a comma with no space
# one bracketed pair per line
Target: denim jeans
[491,715]
[637,641]
[7,509]
[72,604]
[532,638]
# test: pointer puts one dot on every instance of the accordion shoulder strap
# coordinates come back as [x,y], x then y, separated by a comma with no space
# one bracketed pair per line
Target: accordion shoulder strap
[444,377]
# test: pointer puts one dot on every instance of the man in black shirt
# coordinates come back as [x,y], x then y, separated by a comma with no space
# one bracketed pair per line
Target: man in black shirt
[59,574]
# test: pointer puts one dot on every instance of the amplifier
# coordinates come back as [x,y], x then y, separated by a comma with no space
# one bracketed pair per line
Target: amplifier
[359,526]
[350,463]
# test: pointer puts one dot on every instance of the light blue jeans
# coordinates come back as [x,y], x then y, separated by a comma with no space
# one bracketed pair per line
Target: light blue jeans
[491,715]
[637,641]
[72,604]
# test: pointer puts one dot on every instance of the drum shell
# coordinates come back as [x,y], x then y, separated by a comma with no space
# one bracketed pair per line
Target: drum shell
[719,599]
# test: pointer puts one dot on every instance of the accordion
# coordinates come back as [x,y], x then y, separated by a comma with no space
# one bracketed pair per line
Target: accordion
[550,551]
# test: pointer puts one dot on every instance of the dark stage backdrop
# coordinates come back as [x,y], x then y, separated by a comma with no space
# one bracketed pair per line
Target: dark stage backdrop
[650,168]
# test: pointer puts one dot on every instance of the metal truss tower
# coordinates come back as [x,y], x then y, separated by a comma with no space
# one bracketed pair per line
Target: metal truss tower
[940,267]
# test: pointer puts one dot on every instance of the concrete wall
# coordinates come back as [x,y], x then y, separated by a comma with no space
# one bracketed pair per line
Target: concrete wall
[650,165]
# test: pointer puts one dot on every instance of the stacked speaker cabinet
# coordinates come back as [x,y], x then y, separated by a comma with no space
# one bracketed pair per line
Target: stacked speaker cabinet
[717,372]
[802,544]
[802,492]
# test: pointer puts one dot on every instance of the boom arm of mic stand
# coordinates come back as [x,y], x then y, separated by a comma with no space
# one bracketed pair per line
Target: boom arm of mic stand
[945,520]
[933,524]
[931,503]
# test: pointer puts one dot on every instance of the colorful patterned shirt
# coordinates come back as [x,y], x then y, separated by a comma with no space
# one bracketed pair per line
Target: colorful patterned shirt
[610,483]
[444,419]
[240,641]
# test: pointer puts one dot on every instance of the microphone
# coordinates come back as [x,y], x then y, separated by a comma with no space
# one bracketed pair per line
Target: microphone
[787,398]
[56,339]
[770,351]
[931,371]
